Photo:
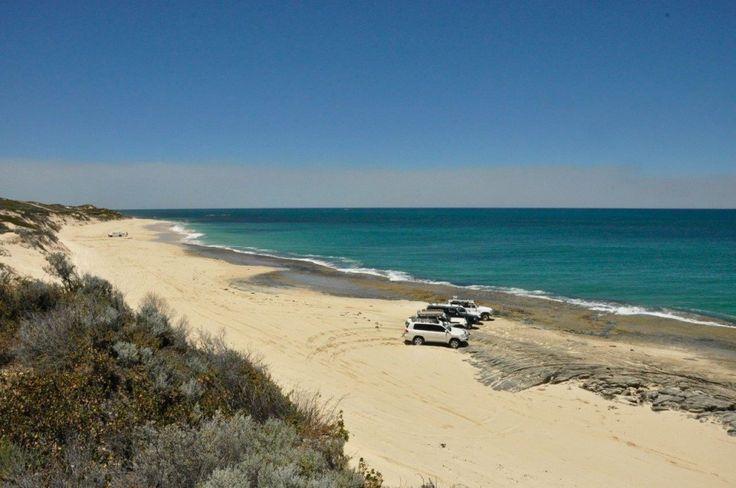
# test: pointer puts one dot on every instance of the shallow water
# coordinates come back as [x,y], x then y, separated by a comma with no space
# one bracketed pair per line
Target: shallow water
[667,261]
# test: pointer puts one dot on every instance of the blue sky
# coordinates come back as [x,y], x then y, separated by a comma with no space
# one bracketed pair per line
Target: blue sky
[344,86]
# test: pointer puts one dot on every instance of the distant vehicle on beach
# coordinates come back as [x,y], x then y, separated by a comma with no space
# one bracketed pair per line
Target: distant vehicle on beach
[456,313]
[484,312]
[117,234]
[424,329]
[436,316]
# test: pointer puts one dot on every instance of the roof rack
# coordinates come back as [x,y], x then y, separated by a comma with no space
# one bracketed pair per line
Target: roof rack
[430,313]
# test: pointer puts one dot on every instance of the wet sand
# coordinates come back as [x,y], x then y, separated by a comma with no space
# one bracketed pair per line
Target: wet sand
[532,311]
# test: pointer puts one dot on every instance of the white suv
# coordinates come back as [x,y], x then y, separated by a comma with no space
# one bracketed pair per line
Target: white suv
[484,312]
[420,331]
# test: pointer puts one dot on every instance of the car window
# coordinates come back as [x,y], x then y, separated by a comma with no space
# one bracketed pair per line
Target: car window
[420,327]
[437,328]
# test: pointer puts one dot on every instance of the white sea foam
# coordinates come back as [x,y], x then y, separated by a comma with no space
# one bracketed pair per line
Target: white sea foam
[622,309]
[606,307]
[354,267]
[323,261]
[189,235]
[391,274]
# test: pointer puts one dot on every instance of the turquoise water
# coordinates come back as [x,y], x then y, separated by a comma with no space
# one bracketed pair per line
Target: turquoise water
[664,260]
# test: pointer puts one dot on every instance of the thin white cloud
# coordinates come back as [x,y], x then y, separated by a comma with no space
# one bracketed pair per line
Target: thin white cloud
[168,185]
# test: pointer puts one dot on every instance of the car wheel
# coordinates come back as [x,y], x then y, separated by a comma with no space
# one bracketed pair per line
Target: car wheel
[485,316]
[418,341]
[454,343]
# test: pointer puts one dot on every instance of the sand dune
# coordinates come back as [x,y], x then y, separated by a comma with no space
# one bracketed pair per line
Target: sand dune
[411,411]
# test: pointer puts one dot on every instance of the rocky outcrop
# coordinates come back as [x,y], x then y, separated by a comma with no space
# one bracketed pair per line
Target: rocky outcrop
[705,401]
[513,364]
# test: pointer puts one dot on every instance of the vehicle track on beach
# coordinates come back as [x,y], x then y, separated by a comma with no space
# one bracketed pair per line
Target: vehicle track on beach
[336,342]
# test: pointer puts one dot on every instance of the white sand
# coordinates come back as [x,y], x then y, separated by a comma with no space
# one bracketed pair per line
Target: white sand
[403,403]
[22,257]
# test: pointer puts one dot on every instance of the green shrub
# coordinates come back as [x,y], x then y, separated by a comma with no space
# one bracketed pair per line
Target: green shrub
[37,224]
[12,459]
[39,238]
[234,451]
[96,394]
[60,266]
[127,352]
[20,298]
[236,382]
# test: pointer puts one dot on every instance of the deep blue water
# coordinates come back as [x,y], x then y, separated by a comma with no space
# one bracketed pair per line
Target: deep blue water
[675,259]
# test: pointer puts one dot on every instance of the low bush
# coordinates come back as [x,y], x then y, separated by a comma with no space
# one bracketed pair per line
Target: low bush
[234,451]
[20,298]
[39,238]
[37,224]
[62,268]
[93,393]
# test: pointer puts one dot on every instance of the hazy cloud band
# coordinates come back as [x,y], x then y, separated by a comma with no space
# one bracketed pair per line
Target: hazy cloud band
[168,185]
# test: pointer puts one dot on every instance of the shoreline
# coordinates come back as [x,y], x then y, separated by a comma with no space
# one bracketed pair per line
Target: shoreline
[639,382]
[507,294]
[473,430]
[499,369]
[531,309]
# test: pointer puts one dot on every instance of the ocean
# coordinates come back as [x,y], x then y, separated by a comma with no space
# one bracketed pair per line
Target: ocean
[660,262]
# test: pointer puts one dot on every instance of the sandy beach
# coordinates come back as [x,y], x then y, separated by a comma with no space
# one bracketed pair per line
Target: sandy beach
[414,412]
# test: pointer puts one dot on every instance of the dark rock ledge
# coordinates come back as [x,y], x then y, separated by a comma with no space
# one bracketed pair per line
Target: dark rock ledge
[510,364]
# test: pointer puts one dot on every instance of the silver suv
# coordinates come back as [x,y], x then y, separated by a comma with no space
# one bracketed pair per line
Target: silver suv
[420,330]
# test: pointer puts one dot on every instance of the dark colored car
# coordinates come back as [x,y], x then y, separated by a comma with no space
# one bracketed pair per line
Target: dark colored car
[453,311]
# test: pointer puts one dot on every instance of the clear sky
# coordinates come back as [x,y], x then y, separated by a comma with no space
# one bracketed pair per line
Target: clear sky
[647,88]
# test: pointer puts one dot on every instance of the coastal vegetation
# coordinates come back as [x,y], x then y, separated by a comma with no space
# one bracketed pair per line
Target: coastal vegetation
[36,224]
[96,393]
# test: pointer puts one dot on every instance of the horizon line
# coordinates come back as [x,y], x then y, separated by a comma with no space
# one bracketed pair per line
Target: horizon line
[423,208]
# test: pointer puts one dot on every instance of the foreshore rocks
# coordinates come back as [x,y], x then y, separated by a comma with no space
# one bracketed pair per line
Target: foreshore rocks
[686,397]
[513,364]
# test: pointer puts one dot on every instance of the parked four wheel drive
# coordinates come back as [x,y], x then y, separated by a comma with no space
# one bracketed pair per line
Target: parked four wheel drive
[484,312]
[438,317]
[419,332]
[456,313]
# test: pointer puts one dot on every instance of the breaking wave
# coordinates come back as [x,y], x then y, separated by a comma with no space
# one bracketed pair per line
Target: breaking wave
[351,266]
[189,235]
